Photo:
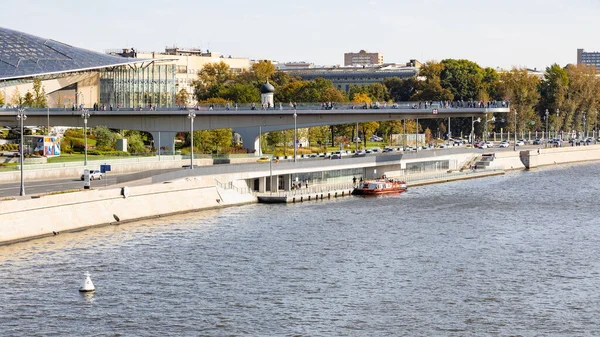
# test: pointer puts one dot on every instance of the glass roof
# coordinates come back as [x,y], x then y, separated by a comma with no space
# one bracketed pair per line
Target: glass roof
[24,55]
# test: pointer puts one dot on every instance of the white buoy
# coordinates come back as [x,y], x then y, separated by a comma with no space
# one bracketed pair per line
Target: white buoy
[87,286]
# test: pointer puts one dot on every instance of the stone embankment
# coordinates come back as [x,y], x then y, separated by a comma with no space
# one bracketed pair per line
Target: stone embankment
[43,216]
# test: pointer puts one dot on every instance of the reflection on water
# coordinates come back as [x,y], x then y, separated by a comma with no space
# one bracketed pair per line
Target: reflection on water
[508,255]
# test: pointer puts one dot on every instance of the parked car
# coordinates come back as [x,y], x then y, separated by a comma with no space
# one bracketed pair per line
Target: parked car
[336,156]
[94,175]
[537,141]
[520,142]
[375,138]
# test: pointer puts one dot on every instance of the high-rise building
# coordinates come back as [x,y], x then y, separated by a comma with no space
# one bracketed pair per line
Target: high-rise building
[362,58]
[589,58]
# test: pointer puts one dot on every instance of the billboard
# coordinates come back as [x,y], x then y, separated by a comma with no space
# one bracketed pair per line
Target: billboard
[46,146]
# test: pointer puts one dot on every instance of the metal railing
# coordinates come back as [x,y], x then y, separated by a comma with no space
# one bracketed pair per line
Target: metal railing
[296,106]
[230,186]
[316,189]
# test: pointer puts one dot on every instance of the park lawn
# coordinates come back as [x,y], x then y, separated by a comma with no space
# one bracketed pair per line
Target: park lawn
[67,158]
[90,142]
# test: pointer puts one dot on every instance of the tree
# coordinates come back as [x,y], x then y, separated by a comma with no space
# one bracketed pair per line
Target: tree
[463,78]
[221,139]
[182,98]
[333,95]
[367,130]
[378,92]
[135,144]
[16,99]
[520,89]
[319,135]
[39,95]
[263,69]
[361,98]
[105,138]
[401,90]
[28,100]
[432,90]
[1,99]
[241,93]
[211,79]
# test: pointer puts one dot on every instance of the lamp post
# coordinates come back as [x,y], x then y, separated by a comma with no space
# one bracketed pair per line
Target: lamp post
[595,126]
[295,115]
[556,127]
[191,116]
[473,120]
[515,143]
[21,117]
[85,115]
[584,130]
[547,132]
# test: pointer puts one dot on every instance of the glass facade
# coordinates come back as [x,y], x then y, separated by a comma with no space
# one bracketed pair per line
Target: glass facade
[138,86]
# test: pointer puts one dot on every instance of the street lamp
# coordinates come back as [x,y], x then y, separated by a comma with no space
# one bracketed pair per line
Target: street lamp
[191,116]
[85,115]
[21,117]
[584,130]
[556,128]
[547,132]
[473,120]
[485,127]
[515,144]
[295,115]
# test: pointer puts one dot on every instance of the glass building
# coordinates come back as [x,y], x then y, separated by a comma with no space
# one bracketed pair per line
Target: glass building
[151,84]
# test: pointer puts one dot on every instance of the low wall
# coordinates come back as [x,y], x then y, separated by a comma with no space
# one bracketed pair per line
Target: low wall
[31,218]
[77,171]
[511,160]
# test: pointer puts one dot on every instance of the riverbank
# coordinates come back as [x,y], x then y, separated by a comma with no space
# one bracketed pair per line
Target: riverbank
[39,216]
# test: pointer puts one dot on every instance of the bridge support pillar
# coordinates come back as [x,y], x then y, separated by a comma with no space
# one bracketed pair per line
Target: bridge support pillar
[166,140]
[250,138]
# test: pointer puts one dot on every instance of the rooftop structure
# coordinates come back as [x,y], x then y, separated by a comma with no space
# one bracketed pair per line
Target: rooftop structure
[589,58]
[345,77]
[75,77]
[362,58]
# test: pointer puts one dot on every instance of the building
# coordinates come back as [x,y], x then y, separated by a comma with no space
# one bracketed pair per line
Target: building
[345,77]
[188,63]
[74,77]
[362,58]
[589,58]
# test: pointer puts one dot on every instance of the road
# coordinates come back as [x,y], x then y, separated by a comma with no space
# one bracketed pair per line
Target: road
[46,186]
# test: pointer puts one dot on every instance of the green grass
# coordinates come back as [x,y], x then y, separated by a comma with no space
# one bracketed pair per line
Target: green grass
[67,158]
[91,142]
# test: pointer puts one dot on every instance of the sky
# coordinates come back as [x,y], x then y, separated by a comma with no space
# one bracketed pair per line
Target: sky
[497,34]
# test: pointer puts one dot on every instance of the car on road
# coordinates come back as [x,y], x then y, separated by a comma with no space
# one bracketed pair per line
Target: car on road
[94,175]
[504,143]
[335,156]
[489,144]
[520,142]
[537,141]
[375,138]
[263,160]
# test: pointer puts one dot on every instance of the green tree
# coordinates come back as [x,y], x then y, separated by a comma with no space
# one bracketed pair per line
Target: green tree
[378,92]
[401,90]
[135,143]
[319,135]
[432,90]
[105,138]
[463,78]
[521,89]
[221,139]
[241,93]
[1,99]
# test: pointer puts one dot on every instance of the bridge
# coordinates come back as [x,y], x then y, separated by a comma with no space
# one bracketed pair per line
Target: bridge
[248,121]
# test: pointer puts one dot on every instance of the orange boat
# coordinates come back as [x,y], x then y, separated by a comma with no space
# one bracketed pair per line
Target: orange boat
[380,186]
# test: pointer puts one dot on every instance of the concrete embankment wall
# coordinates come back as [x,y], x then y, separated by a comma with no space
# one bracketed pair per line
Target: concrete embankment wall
[520,160]
[31,218]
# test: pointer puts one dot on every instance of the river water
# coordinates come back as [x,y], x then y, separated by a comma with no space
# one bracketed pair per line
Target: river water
[508,255]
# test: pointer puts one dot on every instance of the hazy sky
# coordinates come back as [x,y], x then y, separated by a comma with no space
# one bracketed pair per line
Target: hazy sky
[532,33]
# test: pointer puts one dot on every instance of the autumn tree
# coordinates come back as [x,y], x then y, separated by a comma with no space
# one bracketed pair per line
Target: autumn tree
[39,95]
[182,98]
[520,88]
[263,70]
